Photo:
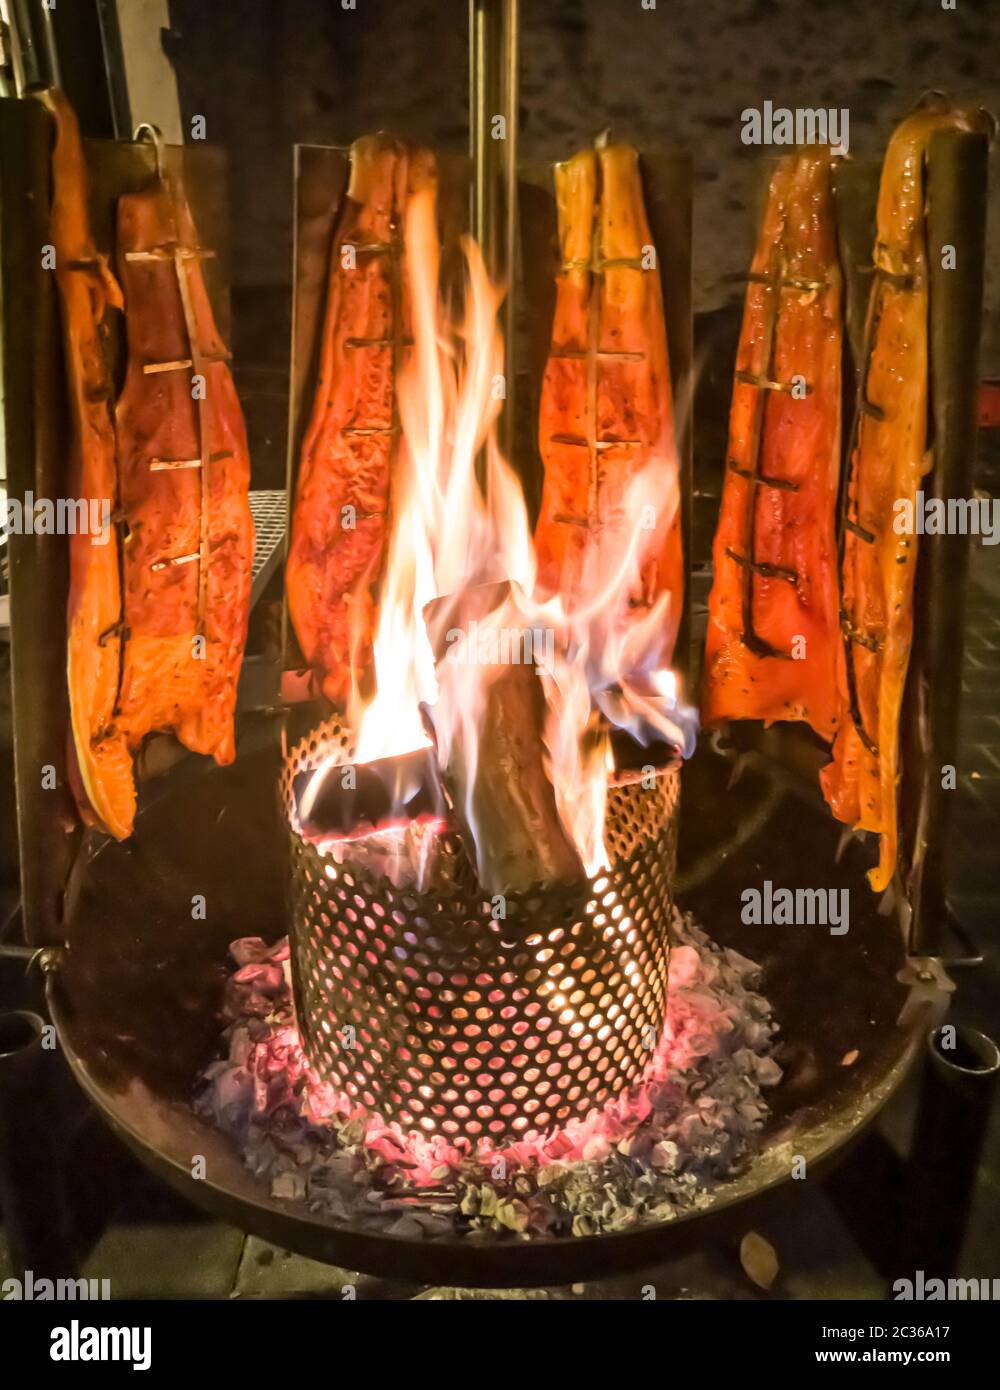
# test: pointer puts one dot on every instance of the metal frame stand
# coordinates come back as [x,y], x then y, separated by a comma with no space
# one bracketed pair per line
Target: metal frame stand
[912,1214]
[36,1217]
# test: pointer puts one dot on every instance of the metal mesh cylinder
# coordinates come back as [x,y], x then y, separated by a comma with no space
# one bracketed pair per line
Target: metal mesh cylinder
[430,1008]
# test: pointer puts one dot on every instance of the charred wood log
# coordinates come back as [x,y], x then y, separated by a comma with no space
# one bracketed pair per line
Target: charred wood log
[493,758]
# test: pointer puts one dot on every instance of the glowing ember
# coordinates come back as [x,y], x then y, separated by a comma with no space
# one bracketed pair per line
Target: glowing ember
[695,1119]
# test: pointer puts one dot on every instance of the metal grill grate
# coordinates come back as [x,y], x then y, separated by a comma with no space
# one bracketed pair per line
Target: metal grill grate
[269,508]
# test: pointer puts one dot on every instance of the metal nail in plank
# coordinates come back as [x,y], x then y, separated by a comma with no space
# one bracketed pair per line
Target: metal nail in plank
[761,480]
[158,565]
[763,383]
[171,253]
[152,368]
[763,568]
[859,531]
[578,442]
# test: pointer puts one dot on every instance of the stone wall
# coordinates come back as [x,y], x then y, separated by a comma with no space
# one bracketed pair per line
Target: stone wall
[266,73]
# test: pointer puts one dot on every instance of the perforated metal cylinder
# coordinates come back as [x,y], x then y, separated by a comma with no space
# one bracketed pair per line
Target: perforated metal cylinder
[431,1009]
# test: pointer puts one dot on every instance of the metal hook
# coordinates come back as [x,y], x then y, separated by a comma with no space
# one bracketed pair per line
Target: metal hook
[989,123]
[48,959]
[154,135]
[933,99]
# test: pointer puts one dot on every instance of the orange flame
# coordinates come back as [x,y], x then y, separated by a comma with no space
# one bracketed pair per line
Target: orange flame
[448,535]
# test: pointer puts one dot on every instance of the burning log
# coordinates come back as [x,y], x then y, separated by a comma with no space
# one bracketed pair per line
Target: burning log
[498,786]
[408,854]
[382,818]
[349,798]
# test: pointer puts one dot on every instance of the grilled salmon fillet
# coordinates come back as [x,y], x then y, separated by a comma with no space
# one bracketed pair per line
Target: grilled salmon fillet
[343,494]
[606,405]
[102,774]
[152,644]
[184,474]
[773,648]
[886,468]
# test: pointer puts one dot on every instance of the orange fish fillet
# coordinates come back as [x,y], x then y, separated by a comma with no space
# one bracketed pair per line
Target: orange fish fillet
[773,648]
[152,644]
[607,406]
[86,290]
[887,466]
[343,495]
[188,551]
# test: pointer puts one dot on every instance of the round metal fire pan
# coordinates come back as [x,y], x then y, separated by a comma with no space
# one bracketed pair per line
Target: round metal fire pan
[135,1005]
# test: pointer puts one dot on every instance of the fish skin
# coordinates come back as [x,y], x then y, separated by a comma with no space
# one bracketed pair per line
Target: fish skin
[889,463]
[100,766]
[800,443]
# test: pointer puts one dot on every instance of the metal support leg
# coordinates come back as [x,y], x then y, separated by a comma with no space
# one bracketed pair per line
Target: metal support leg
[958,1085]
[32,1198]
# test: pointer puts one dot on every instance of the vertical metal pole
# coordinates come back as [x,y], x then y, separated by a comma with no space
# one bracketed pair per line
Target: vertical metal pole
[493,98]
[114,69]
[33,48]
[35,436]
[142,84]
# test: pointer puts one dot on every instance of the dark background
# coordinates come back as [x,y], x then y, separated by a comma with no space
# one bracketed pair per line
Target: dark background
[267,73]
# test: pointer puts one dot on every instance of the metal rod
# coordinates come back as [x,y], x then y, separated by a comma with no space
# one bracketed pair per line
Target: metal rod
[36,453]
[152,368]
[171,253]
[766,384]
[493,111]
[761,479]
[33,47]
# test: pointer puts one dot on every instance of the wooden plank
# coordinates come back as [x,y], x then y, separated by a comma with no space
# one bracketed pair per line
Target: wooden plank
[36,437]
[957,181]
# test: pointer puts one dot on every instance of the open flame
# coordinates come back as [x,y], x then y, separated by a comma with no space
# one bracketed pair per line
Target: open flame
[601,662]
